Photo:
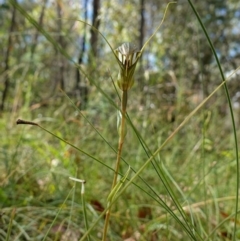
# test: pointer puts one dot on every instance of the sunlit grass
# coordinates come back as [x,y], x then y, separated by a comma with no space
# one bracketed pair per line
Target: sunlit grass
[39,167]
[185,192]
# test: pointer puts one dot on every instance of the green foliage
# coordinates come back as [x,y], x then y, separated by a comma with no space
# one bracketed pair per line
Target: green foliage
[183,181]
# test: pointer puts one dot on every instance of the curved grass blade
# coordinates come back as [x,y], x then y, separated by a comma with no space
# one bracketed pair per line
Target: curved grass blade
[231,114]
[164,15]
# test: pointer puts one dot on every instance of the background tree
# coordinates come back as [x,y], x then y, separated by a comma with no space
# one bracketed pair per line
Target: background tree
[81,87]
[6,60]
[95,23]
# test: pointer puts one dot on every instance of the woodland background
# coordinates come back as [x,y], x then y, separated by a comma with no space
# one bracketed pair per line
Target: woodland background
[177,72]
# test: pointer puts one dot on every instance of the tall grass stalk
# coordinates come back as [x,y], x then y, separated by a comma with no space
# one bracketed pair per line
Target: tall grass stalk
[127,56]
[119,154]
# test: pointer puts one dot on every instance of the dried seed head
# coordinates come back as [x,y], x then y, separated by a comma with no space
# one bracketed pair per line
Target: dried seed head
[128,55]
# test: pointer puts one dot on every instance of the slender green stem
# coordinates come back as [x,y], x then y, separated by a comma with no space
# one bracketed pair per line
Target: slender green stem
[122,134]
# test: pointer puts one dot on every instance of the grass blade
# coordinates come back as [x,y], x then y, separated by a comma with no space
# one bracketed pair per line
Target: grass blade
[231,113]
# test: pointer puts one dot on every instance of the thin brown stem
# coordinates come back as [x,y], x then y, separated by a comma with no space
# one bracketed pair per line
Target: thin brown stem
[122,134]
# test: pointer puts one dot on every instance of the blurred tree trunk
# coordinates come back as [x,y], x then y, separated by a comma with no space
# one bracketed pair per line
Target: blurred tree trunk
[141,38]
[60,75]
[6,61]
[40,22]
[95,23]
[142,23]
[80,88]
[83,47]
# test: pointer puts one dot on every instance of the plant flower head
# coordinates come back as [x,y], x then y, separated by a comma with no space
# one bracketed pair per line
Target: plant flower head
[127,55]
